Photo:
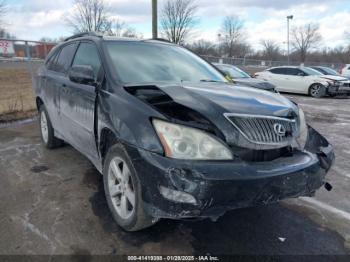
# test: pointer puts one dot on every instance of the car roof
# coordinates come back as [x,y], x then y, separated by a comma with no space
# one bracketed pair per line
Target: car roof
[100,37]
[298,67]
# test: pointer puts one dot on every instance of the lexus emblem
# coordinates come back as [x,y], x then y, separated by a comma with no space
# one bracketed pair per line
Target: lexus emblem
[279,129]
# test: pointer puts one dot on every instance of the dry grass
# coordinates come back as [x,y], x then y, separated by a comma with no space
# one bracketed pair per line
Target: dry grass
[16,94]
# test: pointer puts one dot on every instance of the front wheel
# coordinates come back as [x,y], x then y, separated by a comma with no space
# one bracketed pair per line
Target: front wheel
[123,190]
[317,90]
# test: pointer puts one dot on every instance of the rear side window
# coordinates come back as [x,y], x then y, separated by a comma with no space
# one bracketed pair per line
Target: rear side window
[50,63]
[87,55]
[280,71]
[64,59]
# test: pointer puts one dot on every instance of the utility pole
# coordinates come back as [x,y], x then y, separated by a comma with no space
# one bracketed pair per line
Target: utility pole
[290,17]
[154,19]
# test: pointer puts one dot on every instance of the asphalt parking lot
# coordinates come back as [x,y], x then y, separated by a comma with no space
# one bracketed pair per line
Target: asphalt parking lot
[52,202]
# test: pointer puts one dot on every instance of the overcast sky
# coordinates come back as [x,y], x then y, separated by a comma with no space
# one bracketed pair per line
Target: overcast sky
[33,19]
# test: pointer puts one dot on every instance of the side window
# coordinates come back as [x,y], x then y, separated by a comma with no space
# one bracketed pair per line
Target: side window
[87,55]
[299,72]
[279,71]
[294,71]
[50,63]
[64,59]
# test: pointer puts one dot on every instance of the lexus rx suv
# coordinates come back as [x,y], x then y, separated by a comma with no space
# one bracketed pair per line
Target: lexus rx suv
[170,135]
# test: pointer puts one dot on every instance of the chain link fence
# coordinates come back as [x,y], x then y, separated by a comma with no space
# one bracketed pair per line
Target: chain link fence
[19,61]
[246,62]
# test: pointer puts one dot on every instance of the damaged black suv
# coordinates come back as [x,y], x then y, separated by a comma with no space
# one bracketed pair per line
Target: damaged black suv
[172,138]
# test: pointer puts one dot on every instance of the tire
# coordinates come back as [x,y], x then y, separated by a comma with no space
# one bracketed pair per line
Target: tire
[120,183]
[317,90]
[47,132]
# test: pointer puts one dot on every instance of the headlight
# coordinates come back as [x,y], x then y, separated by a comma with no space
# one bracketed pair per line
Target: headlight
[303,134]
[183,142]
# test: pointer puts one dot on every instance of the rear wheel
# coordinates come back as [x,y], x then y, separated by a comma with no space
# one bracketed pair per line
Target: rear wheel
[123,190]
[317,90]
[47,131]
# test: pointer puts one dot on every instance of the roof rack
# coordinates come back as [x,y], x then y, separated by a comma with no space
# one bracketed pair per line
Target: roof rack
[83,34]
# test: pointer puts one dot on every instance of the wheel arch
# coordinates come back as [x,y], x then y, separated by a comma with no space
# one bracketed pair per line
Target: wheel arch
[107,139]
[39,102]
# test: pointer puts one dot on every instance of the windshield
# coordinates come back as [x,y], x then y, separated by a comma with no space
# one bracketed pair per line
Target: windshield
[330,71]
[233,71]
[311,72]
[152,62]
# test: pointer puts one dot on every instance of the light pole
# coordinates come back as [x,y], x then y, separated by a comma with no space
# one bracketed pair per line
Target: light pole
[290,17]
[154,19]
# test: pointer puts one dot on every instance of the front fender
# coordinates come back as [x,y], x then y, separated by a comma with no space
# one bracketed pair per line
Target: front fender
[319,145]
[129,119]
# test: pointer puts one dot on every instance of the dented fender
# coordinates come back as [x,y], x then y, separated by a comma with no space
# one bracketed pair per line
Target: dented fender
[319,145]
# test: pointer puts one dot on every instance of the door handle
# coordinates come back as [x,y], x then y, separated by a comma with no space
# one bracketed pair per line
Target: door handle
[64,85]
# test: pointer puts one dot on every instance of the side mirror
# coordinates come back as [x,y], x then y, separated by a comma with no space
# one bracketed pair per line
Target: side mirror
[301,74]
[82,74]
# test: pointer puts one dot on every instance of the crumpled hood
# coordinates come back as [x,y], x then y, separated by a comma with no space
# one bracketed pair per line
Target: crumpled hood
[335,78]
[212,100]
[228,98]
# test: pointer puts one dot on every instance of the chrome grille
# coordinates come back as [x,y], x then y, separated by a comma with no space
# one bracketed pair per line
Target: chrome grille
[261,129]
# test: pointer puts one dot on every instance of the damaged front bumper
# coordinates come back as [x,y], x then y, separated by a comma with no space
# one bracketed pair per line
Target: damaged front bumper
[219,186]
[339,89]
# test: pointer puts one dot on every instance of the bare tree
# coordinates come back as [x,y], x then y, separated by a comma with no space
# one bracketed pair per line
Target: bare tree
[203,47]
[122,29]
[89,16]
[232,34]
[3,10]
[178,18]
[305,38]
[271,49]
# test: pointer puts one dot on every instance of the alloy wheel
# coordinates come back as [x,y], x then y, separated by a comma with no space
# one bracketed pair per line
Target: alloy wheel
[44,127]
[121,188]
[315,90]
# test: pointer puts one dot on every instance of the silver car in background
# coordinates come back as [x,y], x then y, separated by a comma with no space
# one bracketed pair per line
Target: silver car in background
[242,78]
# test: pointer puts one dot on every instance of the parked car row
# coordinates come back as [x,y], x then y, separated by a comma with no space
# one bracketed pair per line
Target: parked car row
[316,81]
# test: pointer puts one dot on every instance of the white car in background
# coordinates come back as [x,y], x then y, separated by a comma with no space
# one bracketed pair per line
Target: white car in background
[305,80]
[345,71]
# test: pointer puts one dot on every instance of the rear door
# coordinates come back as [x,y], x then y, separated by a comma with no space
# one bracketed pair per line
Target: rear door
[57,68]
[78,103]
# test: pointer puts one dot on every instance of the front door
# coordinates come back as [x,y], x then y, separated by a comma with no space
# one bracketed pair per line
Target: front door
[78,104]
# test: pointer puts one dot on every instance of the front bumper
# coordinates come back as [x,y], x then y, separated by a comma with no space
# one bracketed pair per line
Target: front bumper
[338,90]
[219,186]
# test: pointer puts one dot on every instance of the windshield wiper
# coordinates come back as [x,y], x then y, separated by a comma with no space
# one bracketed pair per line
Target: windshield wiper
[210,80]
